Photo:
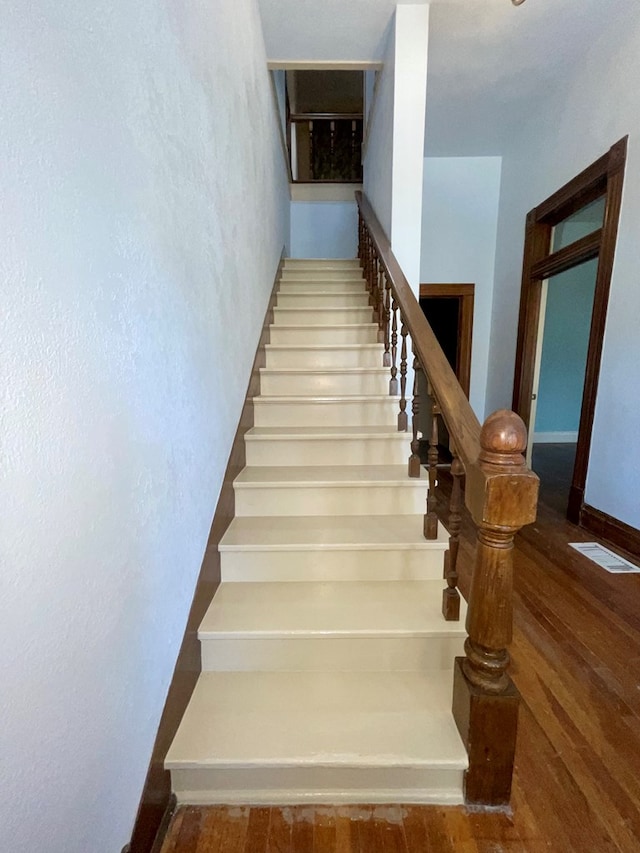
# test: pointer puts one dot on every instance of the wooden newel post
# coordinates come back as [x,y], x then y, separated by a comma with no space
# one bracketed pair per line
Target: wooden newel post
[502,497]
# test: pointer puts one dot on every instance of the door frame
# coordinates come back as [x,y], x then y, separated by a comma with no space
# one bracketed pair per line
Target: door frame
[464,293]
[537,366]
[602,178]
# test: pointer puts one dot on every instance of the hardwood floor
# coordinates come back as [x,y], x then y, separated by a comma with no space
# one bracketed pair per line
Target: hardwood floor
[576,662]
[553,463]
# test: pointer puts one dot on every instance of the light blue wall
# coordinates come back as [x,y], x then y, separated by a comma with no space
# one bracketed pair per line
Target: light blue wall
[564,348]
[594,105]
[324,229]
[459,226]
[135,286]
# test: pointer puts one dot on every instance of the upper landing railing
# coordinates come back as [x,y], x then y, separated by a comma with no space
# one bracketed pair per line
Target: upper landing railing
[500,492]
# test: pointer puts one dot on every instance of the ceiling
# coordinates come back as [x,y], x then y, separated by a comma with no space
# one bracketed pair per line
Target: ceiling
[488,60]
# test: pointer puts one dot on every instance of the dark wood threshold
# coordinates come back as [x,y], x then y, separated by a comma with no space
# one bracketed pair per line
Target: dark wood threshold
[611,530]
[155,807]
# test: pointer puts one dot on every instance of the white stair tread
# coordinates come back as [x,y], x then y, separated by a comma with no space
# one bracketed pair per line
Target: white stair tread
[254,719]
[331,610]
[322,261]
[326,347]
[314,288]
[314,310]
[327,475]
[336,398]
[311,328]
[338,432]
[389,532]
[325,371]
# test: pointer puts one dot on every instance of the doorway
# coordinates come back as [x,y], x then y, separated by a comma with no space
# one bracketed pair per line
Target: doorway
[449,310]
[570,234]
[566,309]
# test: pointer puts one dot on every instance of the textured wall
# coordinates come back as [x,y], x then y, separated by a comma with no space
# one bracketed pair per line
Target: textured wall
[144,210]
[459,224]
[573,124]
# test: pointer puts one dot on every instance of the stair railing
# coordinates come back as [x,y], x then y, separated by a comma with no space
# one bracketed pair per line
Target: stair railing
[500,493]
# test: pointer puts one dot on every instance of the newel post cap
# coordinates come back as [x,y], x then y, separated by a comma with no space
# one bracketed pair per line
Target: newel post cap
[503,440]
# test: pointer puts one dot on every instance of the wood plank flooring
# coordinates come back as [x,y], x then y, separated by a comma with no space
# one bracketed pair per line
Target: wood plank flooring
[576,662]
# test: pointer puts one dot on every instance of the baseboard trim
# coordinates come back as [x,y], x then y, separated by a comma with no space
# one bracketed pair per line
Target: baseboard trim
[555,437]
[611,529]
[155,807]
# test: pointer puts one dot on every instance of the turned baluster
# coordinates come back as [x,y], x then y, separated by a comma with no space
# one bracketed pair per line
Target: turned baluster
[403,418]
[365,256]
[361,239]
[414,459]
[431,518]
[380,305]
[370,268]
[393,382]
[373,297]
[451,596]
[502,497]
[386,359]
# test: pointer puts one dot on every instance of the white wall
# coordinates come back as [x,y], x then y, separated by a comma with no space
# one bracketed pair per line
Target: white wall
[378,151]
[593,108]
[395,147]
[410,94]
[144,210]
[324,229]
[459,225]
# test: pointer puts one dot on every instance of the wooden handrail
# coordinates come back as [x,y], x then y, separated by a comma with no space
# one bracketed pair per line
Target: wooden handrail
[501,494]
[458,415]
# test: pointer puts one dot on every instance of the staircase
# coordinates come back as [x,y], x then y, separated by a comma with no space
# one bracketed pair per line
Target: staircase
[327,665]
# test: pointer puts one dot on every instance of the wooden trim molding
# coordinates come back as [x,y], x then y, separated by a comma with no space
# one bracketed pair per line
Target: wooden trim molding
[604,177]
[611,529]
[156,802]
[322,65]
[576,253]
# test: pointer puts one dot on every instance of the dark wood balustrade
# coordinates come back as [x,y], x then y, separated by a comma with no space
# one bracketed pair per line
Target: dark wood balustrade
[501,495]
[328,146]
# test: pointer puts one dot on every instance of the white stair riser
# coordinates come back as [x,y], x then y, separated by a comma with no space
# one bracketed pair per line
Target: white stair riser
[350,274]
[321,263]
[323,300]
[321,316]
[302,287]
[345,356]
[300,412]
[302,499]
[318,654]
[317,784]
[345,450]
[324,335]
[348,564]
[322,384]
